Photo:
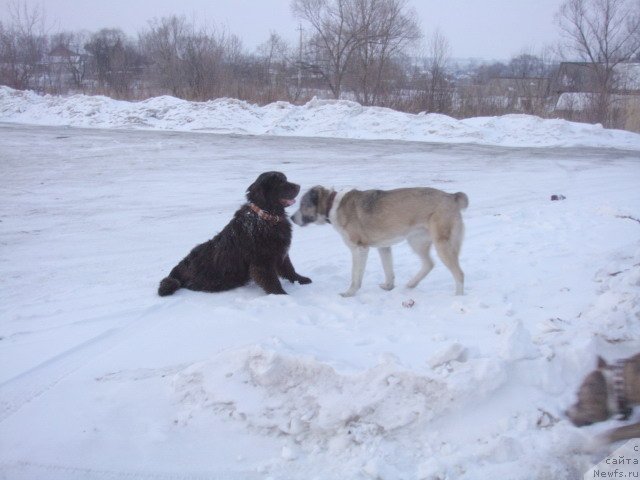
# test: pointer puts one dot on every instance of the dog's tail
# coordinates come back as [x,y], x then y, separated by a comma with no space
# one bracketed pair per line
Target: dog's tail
[461,199]
[168,286]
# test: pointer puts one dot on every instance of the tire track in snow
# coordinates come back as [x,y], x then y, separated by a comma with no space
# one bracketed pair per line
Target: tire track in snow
[34,470]
[27,386]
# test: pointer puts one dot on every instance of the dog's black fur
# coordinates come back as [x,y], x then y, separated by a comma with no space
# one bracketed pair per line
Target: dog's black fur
[248,247]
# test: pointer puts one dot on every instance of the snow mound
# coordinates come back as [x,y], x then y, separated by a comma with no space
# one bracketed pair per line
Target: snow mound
[310,400]
[302,397]
[615,314]
[318,118]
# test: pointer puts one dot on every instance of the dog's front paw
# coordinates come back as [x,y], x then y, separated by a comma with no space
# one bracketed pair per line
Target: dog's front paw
[303,280]
[348,293]
[387,286]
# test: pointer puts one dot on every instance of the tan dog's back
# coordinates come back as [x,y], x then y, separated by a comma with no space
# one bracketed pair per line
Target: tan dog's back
[381,218]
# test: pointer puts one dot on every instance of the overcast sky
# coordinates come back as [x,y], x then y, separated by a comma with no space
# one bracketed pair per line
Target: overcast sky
[489,29]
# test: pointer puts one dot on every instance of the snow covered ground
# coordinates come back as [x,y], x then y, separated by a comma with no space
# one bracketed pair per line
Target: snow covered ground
[318,118]
[102,379]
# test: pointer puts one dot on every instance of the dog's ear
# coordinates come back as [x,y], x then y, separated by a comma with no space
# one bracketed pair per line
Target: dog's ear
[314,195]
[255,193]
[601,363]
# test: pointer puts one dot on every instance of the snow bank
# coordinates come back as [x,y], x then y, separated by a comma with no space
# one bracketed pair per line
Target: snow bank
[318,118]
[615,315]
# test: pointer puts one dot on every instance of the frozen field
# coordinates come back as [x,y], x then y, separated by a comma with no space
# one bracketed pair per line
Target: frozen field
[102,379]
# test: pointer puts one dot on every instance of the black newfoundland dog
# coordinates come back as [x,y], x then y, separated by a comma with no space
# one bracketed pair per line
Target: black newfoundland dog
[255,244]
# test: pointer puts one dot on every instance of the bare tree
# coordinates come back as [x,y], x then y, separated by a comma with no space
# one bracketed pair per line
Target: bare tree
[164,44]
[603,33]
[205,65]
[115,60]
[274,54]
[77,63]
[526,65]
[23,45]
[530,75]
[438,91]
[189,61]
[10,71]
[336,36]
[387,28]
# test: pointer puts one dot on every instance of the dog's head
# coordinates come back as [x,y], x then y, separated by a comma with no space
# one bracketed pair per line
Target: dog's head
[594,404]
[272,192]
[314,207]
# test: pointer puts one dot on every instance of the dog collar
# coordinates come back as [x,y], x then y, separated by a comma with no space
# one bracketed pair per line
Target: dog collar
[332,197]
[266,216]
[620,390]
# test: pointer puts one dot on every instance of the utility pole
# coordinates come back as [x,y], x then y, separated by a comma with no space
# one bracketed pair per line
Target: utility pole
[300,60]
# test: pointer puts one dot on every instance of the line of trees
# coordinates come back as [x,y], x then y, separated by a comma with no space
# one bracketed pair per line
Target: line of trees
[370,51]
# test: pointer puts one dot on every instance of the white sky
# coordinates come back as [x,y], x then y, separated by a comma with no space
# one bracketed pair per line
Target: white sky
[489,29]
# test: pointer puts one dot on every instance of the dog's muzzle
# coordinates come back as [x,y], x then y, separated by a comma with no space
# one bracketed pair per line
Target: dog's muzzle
[297,219]
[303,220]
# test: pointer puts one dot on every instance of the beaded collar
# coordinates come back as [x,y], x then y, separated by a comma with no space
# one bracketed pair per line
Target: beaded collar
[620,390]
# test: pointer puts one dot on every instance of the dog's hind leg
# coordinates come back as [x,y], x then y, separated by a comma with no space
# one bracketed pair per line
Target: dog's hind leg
[387,266]
[169,285]
[448,253]
[359,261]
[421,244]
[267,278]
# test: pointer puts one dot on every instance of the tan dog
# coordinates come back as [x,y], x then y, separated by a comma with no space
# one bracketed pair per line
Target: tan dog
[607,391]
[379,218]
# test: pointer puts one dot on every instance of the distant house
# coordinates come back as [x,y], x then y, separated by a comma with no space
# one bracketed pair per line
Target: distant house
[65,67]
[575,85]
[62,54]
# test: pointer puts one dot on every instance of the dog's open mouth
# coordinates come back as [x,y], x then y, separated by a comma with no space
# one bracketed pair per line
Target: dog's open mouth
[287,202]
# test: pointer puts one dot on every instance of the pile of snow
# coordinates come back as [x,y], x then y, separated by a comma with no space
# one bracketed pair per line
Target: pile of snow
[318,118]
[305,398]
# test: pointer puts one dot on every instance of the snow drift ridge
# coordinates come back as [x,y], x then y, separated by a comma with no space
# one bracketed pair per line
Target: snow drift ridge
[318,118]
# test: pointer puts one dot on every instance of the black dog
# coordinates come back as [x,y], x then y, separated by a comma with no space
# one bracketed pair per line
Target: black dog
[255,244]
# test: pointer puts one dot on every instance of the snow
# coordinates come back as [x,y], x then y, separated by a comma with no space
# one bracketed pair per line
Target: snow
[102,379]
[581,101]
[318,118]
